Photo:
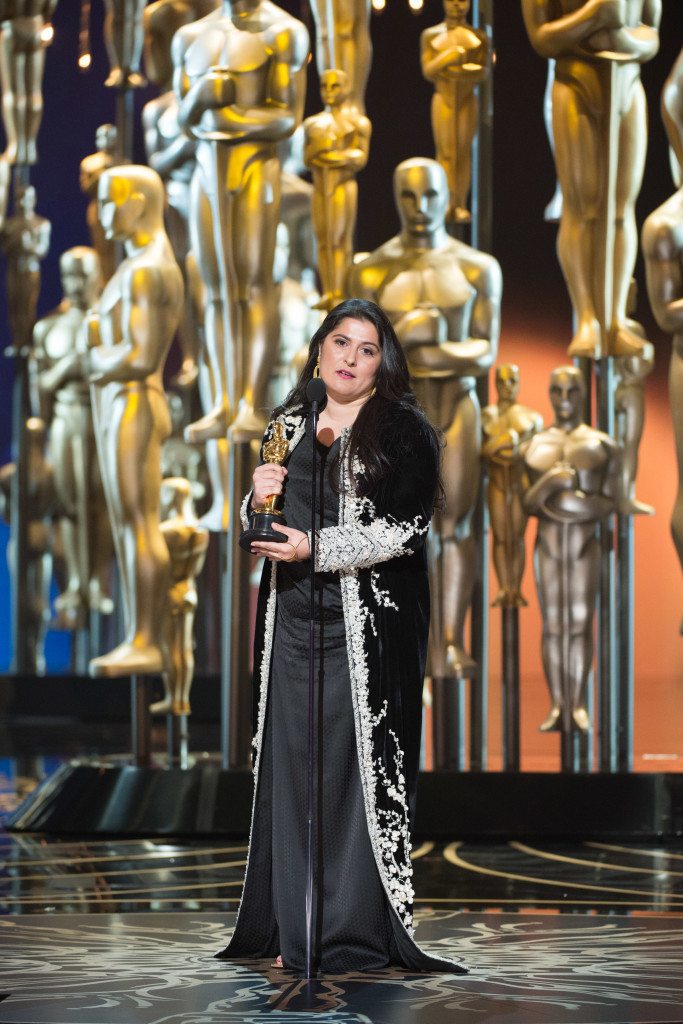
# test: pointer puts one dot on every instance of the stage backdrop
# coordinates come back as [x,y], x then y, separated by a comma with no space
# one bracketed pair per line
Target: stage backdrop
[536,312]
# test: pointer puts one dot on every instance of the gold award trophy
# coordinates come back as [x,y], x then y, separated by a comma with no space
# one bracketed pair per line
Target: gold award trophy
[261,519]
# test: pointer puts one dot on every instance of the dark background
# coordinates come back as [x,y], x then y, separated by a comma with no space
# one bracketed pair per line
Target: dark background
[398,102]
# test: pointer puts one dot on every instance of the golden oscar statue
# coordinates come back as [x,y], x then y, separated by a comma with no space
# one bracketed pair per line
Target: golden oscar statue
[337,142]
[507,429]
[22,60]
[169,151]
[672,116]
[443,298]
[40,506]
[129,334]
[342,36]
[240,78]
[123,40]
[599,112]
[663,253]
[25,241]
[573,474]
[64,395]
[187,544]
[92,166]
[456,58]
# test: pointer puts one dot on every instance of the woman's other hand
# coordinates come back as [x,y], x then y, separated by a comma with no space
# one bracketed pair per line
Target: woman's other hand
[294,549]
[268,479]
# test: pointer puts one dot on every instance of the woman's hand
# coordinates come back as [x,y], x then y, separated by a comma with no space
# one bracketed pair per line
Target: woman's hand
[295,549]
[268,479]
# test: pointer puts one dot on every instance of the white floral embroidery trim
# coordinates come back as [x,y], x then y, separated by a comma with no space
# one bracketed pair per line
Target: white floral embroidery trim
[388,830]
[382,597]
[244,518]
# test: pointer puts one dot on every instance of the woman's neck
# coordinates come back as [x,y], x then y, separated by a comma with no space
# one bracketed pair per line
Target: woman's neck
[337,415]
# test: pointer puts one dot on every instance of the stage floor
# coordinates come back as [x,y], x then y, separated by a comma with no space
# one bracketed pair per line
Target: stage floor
[155,968]
[124,931]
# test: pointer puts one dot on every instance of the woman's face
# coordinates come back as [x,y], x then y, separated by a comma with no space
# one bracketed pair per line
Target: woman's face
[350,356]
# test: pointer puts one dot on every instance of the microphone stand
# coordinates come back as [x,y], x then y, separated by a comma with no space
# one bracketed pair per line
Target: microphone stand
[315,393]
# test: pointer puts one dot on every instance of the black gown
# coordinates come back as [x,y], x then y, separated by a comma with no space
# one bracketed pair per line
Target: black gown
[355,927]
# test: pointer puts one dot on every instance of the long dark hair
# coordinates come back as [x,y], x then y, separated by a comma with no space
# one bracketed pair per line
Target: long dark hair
[392,395]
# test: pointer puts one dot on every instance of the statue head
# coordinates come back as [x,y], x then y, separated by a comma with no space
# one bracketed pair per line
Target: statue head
[79,269]
[334,87]
[130,200]
[176,498]
[106,138]
[507,382]
[456,10]
[25,200]
[421,193]
[567,393]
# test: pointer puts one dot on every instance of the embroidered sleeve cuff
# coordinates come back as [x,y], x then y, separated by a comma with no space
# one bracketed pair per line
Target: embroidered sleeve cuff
[244,510]
[359,546]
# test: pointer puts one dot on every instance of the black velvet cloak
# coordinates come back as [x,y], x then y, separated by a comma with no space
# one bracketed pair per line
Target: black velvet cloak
[378,549]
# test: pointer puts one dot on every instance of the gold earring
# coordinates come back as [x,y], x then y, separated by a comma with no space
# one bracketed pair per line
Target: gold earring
[373,392]
[316,371]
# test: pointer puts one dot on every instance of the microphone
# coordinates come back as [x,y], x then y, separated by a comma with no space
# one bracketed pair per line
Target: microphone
[315,392]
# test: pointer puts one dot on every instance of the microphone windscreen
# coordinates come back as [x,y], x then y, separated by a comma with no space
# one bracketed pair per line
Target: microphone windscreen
[315,390]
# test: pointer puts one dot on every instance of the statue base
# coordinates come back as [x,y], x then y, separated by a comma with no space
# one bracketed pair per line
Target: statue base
[261,529]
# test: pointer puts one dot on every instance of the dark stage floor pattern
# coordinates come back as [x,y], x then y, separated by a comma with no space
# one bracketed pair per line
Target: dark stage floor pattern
[123,932]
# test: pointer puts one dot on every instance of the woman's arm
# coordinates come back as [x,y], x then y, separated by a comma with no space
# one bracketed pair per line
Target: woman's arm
[407,500]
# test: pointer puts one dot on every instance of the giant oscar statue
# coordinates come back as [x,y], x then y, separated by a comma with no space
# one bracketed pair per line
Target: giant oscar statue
[336,149]
[170,152]
[22,59]
[92,166]
[456,58]
[123,39]
[187,544]
[342,40]
[129,334]
[34,612]
[25,240]
[443,298]
[573,484]
[672,115]
[64,396]
[599,113]
[508,429]
[240,77]
[663,252]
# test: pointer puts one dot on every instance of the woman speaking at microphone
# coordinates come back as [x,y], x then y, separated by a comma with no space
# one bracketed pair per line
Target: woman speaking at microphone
[377,481]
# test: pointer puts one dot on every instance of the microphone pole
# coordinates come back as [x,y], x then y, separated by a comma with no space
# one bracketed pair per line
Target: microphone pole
[315,393]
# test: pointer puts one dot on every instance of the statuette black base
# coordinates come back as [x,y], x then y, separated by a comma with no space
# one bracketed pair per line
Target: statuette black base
[261,529]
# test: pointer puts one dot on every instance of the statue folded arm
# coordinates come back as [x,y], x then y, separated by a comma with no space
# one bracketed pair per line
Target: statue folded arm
[501,447]
[560,477]
[135,357]
[577,506]
[464,65]
[558,37]
[418,329]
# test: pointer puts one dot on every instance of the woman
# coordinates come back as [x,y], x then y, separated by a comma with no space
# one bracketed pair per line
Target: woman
[378,461]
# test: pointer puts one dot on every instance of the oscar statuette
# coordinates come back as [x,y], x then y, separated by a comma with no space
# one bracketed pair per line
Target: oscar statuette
[261,519]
